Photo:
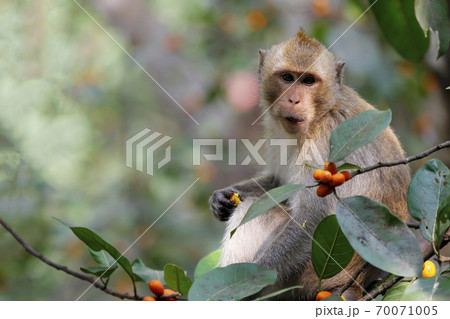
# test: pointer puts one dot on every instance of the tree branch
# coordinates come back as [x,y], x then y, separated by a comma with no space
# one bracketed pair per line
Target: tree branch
[413,225]
[371,295]
[352,279]
[403,161]
[63,268]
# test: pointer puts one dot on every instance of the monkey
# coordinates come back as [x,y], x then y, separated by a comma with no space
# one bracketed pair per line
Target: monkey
[303,97]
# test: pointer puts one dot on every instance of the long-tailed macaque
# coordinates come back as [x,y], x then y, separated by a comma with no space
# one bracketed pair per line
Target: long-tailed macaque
[303,97]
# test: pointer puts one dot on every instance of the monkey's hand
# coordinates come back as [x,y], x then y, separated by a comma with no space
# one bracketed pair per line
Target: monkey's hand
[221,205]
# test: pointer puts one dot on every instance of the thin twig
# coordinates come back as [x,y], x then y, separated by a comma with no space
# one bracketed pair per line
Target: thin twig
[352,279]
[413,225]
[134,289]
[68,271]
[402,161]
[371,295]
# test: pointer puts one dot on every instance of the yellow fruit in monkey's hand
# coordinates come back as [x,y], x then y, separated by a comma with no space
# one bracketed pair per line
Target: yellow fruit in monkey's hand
[429,269]
[235,199]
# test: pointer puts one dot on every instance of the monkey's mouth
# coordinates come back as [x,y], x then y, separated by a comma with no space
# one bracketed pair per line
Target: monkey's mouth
[294,120]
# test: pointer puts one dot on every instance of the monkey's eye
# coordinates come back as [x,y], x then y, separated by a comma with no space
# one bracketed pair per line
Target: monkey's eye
[288,77]
[309,80]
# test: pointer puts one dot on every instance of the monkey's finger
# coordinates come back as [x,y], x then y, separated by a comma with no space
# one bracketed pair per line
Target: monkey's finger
[228,192]
[222,198]
[226,202]
[221,213]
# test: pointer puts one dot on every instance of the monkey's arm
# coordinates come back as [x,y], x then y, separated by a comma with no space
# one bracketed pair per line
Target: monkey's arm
[220,203]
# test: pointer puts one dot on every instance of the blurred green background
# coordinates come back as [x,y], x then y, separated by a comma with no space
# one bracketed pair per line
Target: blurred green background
[70,97]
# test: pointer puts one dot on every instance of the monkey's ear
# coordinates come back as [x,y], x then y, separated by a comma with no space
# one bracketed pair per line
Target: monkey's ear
[339,71]
[262,55]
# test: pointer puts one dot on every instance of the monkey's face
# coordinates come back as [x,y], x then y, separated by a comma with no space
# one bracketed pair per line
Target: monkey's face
[292,96]
[297,83]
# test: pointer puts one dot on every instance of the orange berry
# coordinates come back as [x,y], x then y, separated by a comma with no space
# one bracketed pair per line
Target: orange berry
[149,298]
[324,190]
[347,175]
[429,269]
[323,294]
[166,293]
[331,167]
[326,177]
[156,287]
[337,179]
[318,174]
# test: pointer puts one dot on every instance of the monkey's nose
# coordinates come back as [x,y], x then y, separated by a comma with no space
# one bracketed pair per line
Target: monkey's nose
[295,102]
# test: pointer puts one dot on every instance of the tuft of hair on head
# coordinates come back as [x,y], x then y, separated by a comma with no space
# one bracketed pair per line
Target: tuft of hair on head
[303,37]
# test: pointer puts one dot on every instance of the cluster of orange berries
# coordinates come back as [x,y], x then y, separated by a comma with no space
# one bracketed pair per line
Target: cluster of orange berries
[329,179]
[160,293]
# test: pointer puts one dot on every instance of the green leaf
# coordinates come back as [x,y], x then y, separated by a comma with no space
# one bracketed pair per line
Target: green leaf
[279,292]
[331,251]
[312,166]
[427,190]
[333,298]
[268,200]
[143,273]
[347,166]
[207,263]
[399,25]
[103,272]
[233,282]
[433,15]
[428,289]
[357,132]
[102,258]
[442,221]
[95,242]
[379,237]
[378,298]
[62,222]
[106,265]
[444,268]
[175,278]
[396,292]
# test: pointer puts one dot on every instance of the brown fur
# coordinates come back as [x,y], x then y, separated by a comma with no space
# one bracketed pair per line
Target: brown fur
[276,239]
